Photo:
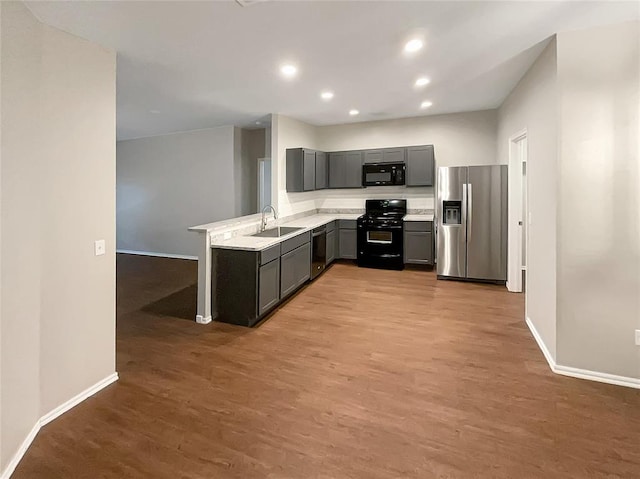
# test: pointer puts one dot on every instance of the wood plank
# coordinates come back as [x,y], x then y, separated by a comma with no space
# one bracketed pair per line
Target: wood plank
[364,374]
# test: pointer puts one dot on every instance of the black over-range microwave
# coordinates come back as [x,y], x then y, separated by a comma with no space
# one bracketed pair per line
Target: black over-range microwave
[382,174]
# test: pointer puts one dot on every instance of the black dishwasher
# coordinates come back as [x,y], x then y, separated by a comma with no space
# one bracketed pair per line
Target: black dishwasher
[319,251]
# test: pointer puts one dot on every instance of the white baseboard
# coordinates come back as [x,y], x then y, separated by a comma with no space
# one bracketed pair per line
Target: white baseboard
[157,255]
[598,376]
[202,320]
[50,416]
[577,372]
[22,450]
[74,401]
[543,347]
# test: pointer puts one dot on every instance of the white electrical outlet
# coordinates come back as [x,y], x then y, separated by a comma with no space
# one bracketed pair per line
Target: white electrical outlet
[100,247]
[637,337]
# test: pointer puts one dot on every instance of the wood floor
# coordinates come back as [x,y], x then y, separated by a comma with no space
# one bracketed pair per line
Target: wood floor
[365,374]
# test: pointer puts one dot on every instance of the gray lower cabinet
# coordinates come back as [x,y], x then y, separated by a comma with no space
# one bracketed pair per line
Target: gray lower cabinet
[331,246]
[345,169]
[249,284]
[268,286]
[420,166]
[418,242]
[347,239]
[295,269]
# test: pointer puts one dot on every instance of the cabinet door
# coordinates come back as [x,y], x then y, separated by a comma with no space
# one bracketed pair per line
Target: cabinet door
[420,166]
[322,171]
[395,155]
[373,156]
[287,273]
[353,173]
[294,166]
[303,264]
[418,247]
[337,170]
[348,244]
[309,170]
[331,246]
[269,286]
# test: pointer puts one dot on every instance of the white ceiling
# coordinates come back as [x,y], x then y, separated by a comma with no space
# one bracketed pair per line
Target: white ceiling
[205,64]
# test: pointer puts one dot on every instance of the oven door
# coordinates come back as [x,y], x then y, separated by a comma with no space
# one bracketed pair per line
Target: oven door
[380,245]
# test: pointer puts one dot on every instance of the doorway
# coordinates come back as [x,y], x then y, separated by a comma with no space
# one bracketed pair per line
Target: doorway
[264,182]
[518,213]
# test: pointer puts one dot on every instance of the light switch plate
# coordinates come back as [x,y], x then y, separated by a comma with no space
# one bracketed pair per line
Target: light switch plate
[637,337]
[100,247]
[227,235]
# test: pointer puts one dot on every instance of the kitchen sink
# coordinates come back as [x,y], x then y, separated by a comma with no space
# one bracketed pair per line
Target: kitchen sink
[276,232]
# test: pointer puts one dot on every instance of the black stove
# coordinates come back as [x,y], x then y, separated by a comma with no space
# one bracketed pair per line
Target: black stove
[380,234]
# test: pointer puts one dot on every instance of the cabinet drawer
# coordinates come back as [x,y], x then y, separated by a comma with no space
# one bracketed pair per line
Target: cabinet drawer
[294,242]
[347,224]
[396,155]
[424,226]
[269,254]
[331,226]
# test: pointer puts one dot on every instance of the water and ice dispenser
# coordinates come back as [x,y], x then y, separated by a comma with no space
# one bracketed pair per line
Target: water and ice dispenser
[452,212]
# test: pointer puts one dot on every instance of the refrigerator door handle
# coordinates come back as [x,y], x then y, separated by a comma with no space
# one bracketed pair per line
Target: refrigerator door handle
[469,210]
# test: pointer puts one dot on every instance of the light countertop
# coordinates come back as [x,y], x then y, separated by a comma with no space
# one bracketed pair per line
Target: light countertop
[253,243]
[307,223]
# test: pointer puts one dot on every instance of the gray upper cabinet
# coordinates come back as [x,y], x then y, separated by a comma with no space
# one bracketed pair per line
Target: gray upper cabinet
[309,170]
[322,171]
[373,156]
[420,165]
[393,155]
[345,169]
[301,169]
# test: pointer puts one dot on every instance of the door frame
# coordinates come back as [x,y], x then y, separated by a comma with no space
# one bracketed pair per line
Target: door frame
[262,162]
[518,155]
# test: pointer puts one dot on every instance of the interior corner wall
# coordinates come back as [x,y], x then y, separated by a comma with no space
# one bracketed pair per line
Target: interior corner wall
[291,133]
[167,183]
[599,202]
[533,105]
[57,173]
[20,176]
[252,146]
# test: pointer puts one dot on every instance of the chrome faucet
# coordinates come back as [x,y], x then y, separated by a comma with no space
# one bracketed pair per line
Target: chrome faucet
[263,225]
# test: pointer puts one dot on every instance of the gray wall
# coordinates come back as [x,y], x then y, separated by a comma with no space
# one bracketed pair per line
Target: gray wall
[167,183]
[533,105]
[57,173]
[599,202]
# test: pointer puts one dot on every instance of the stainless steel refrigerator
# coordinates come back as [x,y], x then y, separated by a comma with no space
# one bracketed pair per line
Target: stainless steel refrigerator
[471,216]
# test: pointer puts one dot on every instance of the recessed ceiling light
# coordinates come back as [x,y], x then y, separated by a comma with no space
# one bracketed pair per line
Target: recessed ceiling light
[413,45]
[326,95]
[289,70]
[354,112]
[425,104]
[155,112]
[422,81]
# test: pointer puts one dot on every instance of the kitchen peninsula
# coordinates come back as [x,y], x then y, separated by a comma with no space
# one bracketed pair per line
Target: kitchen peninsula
[234,241]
